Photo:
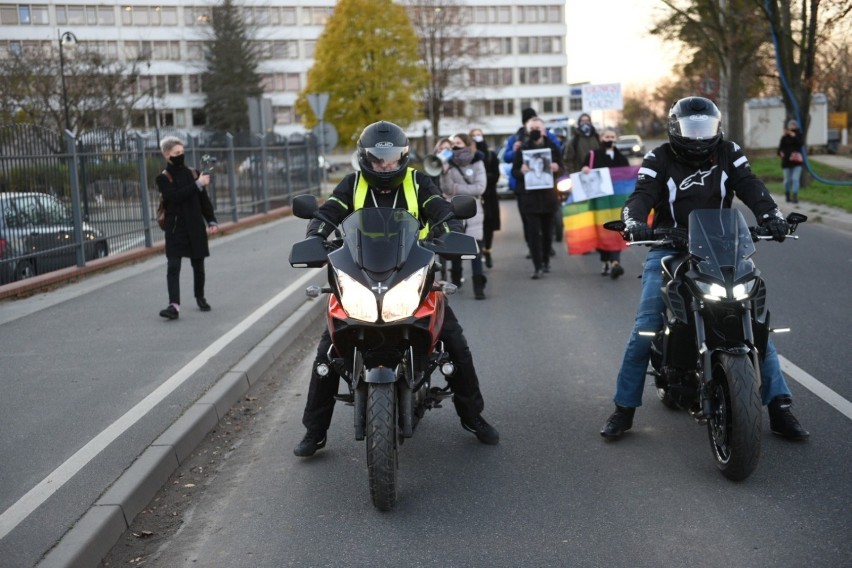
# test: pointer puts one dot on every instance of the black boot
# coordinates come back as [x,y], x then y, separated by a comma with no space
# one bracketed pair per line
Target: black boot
[479,281]
[618,423]
[309,445]
[782,422]
[486,255]
[787,196]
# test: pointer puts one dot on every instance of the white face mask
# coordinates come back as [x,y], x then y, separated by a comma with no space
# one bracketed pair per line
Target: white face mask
[478,138]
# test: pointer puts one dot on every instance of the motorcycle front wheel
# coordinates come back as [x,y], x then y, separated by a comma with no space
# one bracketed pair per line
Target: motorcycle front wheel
[382,449]
[735,424]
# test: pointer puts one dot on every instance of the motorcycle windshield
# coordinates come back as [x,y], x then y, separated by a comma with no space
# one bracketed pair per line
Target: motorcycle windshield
[721,238]
[380,238]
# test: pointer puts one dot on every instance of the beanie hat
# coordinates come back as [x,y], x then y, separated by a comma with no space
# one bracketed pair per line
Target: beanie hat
[527,114]
[792,124]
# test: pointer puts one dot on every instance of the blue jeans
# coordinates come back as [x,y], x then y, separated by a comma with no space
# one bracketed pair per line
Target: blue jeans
[792,177]
[649,316]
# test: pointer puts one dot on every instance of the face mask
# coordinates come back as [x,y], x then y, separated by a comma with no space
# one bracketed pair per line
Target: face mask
[462,156]
[178,160]
[478,138]
[535,135]
[607,143]
[586,128]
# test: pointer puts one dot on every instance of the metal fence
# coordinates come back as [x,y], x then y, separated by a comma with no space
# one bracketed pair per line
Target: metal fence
[65,201]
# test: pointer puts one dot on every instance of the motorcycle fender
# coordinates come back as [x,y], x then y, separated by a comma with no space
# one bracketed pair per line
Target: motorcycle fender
[380,375]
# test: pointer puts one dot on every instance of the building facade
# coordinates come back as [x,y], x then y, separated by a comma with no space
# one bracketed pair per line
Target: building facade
[525,67]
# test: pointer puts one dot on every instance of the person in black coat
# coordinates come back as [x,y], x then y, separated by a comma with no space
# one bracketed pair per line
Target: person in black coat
[607,156]
[189,215]
[490,200]
[538,206]
[789,147]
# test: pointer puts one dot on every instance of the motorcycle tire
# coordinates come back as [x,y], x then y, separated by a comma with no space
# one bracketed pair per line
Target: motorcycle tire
[735,425]
[382,448]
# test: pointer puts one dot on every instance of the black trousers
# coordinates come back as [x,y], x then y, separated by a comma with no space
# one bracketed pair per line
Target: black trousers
[467,397]
[173,278]
[539,227]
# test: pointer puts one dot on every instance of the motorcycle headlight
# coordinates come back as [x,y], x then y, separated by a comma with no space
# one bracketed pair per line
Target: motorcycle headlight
[712,291]
[357,300]
[744,290]
[403,299]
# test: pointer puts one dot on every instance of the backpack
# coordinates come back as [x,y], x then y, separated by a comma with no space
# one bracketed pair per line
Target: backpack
[161,206]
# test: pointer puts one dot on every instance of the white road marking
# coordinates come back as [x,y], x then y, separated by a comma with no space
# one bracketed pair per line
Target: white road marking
[816,387]
[34,498]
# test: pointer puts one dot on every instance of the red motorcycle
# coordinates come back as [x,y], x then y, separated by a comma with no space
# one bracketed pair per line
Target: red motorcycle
[385,314]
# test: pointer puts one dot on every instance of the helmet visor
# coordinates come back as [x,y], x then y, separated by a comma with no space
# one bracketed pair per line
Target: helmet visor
[378,154]
[698,126]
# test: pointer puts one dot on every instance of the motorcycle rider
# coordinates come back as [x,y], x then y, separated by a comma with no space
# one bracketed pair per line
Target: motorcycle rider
[696,169]
[385,180]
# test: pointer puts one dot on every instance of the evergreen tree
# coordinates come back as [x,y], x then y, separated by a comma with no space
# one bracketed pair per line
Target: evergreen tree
[231,77]
[367,60]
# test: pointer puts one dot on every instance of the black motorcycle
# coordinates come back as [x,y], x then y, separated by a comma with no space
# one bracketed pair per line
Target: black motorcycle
[706,358]
[385,314]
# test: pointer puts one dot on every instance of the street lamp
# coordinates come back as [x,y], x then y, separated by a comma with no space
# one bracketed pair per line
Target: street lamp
[156,118]
[64,38]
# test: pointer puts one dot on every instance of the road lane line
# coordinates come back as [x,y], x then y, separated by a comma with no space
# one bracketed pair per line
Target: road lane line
[816,387]
[36,496]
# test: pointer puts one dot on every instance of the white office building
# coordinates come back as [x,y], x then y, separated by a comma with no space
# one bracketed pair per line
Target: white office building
[526,65]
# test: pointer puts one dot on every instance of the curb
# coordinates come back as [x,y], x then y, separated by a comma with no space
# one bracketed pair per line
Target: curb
[817,213]
[100,528]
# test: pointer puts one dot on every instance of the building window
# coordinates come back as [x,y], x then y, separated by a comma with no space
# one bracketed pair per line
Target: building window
[8,16]
[199,117]
[195,84]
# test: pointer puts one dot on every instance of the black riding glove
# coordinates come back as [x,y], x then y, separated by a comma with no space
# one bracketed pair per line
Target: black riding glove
[438,230]
[777,226]
[641,232]
[319,229]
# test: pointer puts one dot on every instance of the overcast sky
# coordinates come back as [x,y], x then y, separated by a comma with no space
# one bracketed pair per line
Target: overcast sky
[614,46]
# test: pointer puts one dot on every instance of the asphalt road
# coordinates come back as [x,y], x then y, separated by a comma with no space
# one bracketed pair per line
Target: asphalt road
[552,493]
[83,370]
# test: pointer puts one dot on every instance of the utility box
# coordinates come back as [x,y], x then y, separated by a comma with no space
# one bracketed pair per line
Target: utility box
[766,119]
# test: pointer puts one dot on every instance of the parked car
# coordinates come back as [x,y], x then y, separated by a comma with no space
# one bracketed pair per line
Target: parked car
[37,236]
[630,145]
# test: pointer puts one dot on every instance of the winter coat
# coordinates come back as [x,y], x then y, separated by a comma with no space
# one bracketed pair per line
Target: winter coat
[602,159]
[577,148]
[509,153]
[537,201]
[490,199]
[467,180]
[188,213]
[787,146]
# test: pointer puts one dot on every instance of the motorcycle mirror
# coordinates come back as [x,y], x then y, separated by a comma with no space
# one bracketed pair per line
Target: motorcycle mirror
[796,218]
[304,206]
[618,226]
[464,206]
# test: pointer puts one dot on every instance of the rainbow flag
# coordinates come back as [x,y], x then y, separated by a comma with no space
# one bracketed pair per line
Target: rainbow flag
[584,221]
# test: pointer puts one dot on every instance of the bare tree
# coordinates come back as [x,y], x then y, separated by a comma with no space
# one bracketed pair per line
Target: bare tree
[798,37]
[99,92]
[727,35]
[446,52]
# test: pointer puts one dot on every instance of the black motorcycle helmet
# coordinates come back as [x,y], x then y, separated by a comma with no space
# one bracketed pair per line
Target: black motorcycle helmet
[695,128]
[382,142]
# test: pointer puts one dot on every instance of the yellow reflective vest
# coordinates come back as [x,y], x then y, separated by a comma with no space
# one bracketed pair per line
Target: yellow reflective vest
[409,188]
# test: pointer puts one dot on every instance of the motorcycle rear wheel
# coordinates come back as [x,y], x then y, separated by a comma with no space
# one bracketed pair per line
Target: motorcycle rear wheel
[735,425]
[382,449]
